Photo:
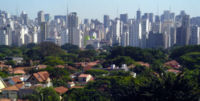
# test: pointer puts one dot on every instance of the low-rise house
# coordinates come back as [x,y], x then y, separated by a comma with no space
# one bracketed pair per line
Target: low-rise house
[5,67]
[2,84]
[40,78]
[5,99]
[11,92]
[174,71]
[85,78]
[60,66]
[70,84]
[18,60]
[113,67]
[25,91]
[174,64]
[14,80]
[144,64]
[61,90]
[39,67]
[18,70]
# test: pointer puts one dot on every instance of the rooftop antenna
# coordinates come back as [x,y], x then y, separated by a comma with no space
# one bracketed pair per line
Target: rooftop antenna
[17,8]
[117,8]
[67,6]
[158,9]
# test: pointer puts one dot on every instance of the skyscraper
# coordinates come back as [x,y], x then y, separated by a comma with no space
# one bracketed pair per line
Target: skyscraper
[125,36]
[124,18]
[41,17]
[72,24]
[195,35]
[3,37]
[157,40]
[106,19]
[183,32]
[135,34]
[24,18]
[47,17]
[151,17]
[43,32]
[138,15]
[64,37]
[116,32]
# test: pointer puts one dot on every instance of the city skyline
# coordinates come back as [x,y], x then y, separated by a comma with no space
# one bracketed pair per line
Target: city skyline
[96,9]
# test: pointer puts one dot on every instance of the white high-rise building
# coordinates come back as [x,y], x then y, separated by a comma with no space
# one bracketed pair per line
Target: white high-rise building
[125,39]
[145,32]
[195,35]
[77,37]
[135,34]
[3,37]
[116,32]
[35,35]
[41,17]
[64,37]
[21,35]
[125,35]
[72,23]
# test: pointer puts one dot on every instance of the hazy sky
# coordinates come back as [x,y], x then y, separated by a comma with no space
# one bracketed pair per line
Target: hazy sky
[97,8]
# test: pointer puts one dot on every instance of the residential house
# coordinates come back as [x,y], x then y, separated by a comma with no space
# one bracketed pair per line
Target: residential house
[85,78]
[15,80]
[11,92]
[18,60]
[40,78]
[61,90]
[174,64]
[70,84]
[39,67]
[2,84]
[174,71]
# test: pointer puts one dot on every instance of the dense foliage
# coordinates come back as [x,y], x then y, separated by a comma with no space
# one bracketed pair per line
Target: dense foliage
[153,83]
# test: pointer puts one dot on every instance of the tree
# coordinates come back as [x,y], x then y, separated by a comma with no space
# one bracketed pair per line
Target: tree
[85,95]
[33,54]
[50,49]
[70,48]
[44,94]
[88,54]
[122,60]
[89,47]
[11,62]
[96,72]
[53,61]
[139,69]
[190,60]
[60,76]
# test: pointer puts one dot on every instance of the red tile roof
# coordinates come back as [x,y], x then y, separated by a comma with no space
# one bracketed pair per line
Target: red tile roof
[144,64]
[14,87]
[42,66]
[173,64]
[60,66]
[61,90]
[11,88]
[16,79]
[4,99]
[71,83]
[71,68]
[41,76]
[173,71]
[89,65]
[18,71]
[84,75]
